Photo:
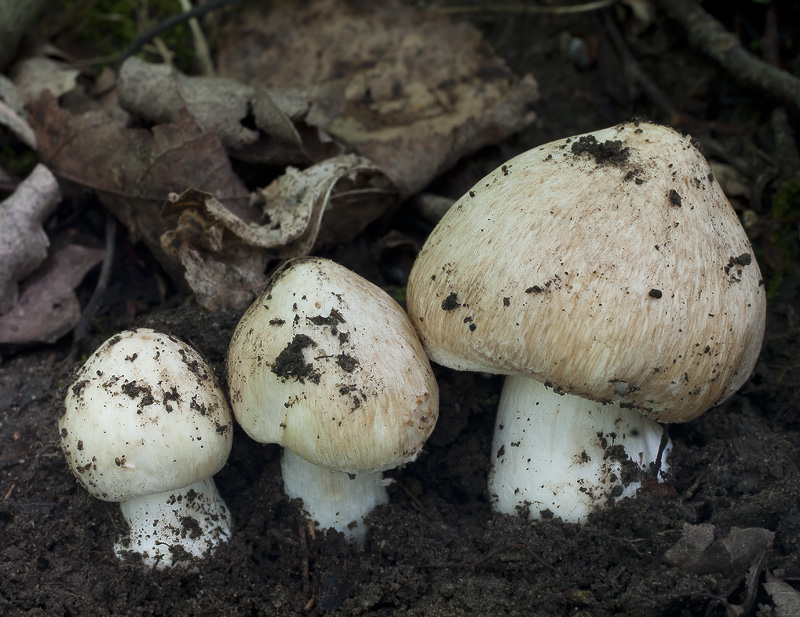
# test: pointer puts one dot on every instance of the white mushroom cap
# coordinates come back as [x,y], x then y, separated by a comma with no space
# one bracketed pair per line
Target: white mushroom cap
[328,365]
[609,265]
[145,415]
[146,424]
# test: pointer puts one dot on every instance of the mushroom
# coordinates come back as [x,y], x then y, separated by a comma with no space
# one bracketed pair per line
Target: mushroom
[327,365]
[609,273]
[146,424]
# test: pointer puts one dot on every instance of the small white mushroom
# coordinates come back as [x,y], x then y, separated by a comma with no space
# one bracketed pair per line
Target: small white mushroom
[327,365]
[609,267]
[146,424]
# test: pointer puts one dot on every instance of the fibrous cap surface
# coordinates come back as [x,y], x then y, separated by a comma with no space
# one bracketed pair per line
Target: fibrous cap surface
[328,365]
[608,265]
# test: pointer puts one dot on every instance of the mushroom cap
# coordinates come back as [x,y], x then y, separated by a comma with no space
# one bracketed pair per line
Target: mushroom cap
[328,365]
[608,265]
[144,415]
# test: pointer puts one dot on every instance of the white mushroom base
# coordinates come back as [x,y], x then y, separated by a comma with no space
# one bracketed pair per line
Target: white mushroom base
[334,499]
[171,528]
[554,455]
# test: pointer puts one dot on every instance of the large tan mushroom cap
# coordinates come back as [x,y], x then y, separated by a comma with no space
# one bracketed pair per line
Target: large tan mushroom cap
[328,365]
[608,265]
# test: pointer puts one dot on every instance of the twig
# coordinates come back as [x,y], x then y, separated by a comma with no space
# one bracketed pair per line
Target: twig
[711,37]
[415,502]
[661,447]
[162,50]
[303,527]
[689,492]
[524,8]
[713,148]
[165,25]
[637,73]
[786,149]
[82,327]
[200,44]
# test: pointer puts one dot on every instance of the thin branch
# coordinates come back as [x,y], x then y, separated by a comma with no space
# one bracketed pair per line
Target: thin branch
[661,448]
[711,37]
[524,8]
[167,24]
[82,327]
[637,73]
[201,48]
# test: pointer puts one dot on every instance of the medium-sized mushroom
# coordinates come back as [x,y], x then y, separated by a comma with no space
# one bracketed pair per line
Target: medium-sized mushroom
[327,365]
[146,424]
[609,273]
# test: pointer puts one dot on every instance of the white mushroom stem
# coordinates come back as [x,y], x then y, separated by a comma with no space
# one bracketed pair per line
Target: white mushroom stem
[166,528]
[334,498]
[555,455]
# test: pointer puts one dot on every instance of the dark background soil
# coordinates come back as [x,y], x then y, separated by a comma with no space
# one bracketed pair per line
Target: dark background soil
[437,549]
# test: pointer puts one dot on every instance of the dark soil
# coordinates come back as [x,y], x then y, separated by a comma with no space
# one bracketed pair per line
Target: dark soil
[437,549]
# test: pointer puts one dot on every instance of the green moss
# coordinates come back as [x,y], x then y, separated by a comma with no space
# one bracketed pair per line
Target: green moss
[17,159]
[787,198]
[108,27]
[785,282]
[399,295]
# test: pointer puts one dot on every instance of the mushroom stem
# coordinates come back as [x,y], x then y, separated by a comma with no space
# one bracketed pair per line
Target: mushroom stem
[167,528]
[566,456]
[334,498]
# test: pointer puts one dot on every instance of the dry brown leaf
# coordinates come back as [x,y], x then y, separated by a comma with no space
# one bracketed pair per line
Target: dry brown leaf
[224,258]
[37,74]
[739,556]
[134,170]
[699,552]
[247,120]
[407,89]
[12,113]
[17,125]
[48,307]
[23,242]
[785,597]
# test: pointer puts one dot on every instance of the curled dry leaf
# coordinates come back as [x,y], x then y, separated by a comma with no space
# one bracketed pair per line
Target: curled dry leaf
[133,170]
[225,256]
[407,89]
[249,122]
[48,307]
[23,242]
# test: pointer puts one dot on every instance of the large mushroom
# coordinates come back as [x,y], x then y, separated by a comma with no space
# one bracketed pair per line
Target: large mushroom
[146,424]
[609,273]
[327,365]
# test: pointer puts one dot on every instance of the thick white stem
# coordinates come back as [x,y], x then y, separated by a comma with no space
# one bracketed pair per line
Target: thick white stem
[173,527]
[558,455]
[333,498]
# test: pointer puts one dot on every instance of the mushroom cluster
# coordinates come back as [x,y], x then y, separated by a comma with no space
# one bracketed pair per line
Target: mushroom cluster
[327,365]
[606,275]
[146,424]
[609,274]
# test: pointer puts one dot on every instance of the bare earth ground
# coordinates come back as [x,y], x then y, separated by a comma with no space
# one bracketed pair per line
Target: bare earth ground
[437,549]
